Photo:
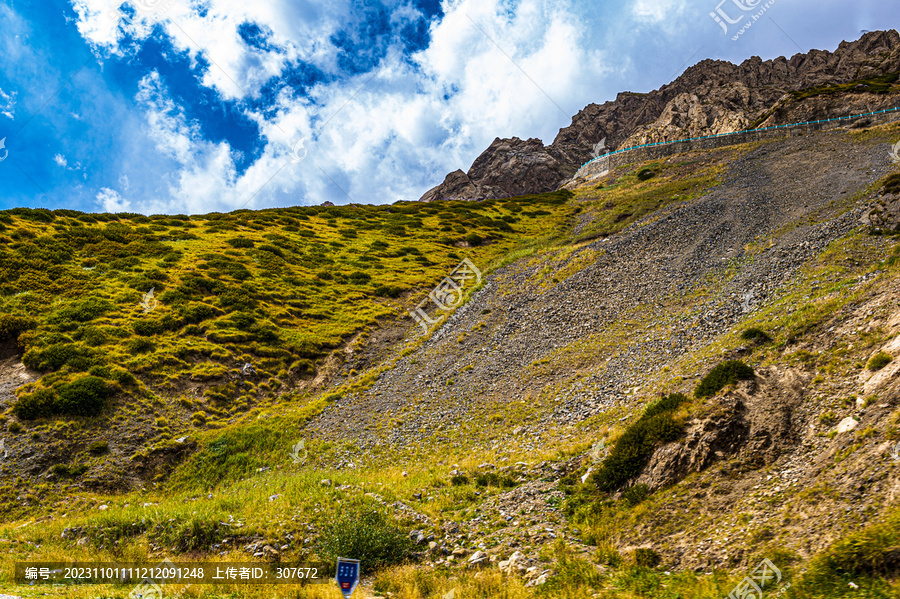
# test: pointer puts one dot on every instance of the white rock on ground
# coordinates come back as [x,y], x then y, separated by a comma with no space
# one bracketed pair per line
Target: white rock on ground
[846,425]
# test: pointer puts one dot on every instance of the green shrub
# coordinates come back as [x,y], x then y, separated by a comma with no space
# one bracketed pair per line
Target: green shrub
[52,357]
[646,558]
[368,535]
[243,321]
[196,313]
[98,447]
[756,335]
[864,556]
[83,397]
[12,325]
[633,449]
[879,361]
[67,471]
[268,334]
[636,494]
[238,299]
[172,297]
[83,311]
[667,404]
[187,534]
[459,480]
[141,345]
[396,230]
[277,251]
[492,479]
[38,215]
[726,373]
[147,327]
[473,239]
[124,378]
[360,278]
[240,242]
[40,404]
[389,291]
[892,184]
[14,427]
[103,371]
[93,336]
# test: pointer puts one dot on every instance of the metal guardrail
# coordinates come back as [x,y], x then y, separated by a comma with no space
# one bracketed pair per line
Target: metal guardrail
[743,132]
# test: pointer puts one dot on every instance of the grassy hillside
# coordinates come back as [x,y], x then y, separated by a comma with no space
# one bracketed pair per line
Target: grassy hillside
[154,445]
[278,289]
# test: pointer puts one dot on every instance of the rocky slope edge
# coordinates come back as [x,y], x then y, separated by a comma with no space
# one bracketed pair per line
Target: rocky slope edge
[710,97]
[566,351]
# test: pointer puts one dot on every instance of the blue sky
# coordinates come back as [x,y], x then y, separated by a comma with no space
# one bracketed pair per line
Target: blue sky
[194,106]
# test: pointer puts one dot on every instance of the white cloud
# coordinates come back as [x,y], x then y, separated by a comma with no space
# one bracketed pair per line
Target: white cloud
[109,200]
[488,72]
[657,11]
[60,160]
[7,104]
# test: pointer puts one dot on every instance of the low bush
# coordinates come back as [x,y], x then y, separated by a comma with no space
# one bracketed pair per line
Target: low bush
[389,291]
[140,345]
[147,327]
[12,325]
[473,239]
[83,311]
[492,479]
[67,471]
[240,242]
[368,535]
[53,357]
[755,335]
[103,371]
[633,449]
[277,251]
[196,313]
[726,373]
[98,447]
[360,278]
[879,361]
[646,174]
[238,299]
[636,494]
[459,479]
[40,404]
[863,557]
[243,321]
[124,378]
[646,558]
[93,336]
[892,184]
[83,397]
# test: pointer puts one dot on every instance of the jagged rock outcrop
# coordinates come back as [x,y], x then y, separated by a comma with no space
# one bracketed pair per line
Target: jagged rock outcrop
[885,214]
[753,423]
[510,167]
[710,97]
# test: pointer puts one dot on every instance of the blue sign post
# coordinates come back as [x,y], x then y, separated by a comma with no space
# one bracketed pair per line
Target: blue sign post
[347,575]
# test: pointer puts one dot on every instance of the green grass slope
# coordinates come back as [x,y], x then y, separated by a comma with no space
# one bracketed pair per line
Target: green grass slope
[281,290]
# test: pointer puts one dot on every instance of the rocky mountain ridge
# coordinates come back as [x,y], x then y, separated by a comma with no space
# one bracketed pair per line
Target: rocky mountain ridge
[734,97]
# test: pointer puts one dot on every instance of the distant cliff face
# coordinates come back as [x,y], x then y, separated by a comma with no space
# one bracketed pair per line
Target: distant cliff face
[710,97]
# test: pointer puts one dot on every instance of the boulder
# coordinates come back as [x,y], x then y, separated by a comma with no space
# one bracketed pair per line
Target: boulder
[846,425]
